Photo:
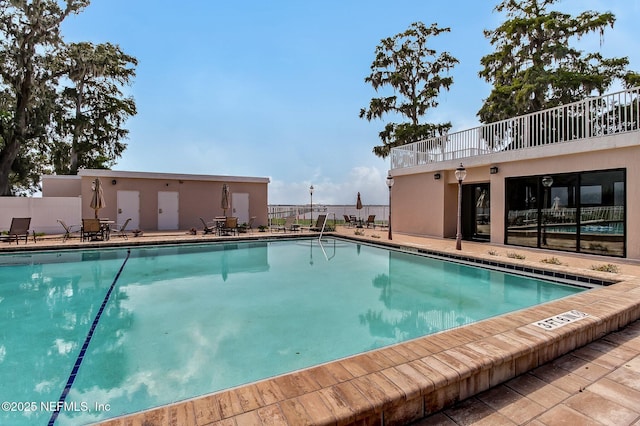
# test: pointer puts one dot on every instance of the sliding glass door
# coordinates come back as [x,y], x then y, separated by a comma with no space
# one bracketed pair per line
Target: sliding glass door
[583,212]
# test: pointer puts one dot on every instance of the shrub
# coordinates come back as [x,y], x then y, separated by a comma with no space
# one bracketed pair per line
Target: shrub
[609,267]
[551,260]
[514,255]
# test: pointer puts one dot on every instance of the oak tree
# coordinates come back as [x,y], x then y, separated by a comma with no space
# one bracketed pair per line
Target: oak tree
[29,36]
[415,74]
[88,124]
[535,66]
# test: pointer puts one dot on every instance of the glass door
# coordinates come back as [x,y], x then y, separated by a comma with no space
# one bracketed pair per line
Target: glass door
[482,207]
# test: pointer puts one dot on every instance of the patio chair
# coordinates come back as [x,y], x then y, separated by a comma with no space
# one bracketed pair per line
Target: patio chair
[121,230]
[19,228]
[371,221]
[246,227]
[91,230]
[348,221]
[206,228]
[230,226]
[252,219]
[319,223]
[68,230]
[219,222]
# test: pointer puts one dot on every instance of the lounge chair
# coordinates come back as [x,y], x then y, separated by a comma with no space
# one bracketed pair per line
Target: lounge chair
[288,225]
[121,230]
[371,221]
[91,230]
[68,230]
[206,228]
[19,228]
[319,223]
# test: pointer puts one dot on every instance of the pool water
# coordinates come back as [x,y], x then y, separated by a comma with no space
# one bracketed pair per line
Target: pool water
[187,320]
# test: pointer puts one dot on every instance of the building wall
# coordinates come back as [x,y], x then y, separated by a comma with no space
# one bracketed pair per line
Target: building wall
[600,160]
[416,204]
[61,186]
[424,206]
[196,199]
[198,195]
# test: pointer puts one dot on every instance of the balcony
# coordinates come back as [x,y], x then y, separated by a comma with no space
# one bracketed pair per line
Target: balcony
[592,118]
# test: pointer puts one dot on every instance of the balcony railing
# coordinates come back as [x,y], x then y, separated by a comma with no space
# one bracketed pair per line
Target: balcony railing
[590,118]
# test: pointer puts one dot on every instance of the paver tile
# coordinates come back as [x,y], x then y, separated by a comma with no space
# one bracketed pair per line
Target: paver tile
[474,412]
[561,378]
[581,367]
[561,415]
[538,390]
[617,392]
[511,404]
[602,409]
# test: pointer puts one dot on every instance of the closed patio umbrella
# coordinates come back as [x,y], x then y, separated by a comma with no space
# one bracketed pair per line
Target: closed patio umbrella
[97,200]
[224,204]
[358,206]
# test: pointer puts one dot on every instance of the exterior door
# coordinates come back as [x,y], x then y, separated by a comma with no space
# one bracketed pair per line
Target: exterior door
[168,210]
[240,206]
[476,211]
[482,203]
[129,207]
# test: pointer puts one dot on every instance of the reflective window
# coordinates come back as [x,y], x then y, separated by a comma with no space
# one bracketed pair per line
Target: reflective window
[602,213]
[522,211]
[583,212]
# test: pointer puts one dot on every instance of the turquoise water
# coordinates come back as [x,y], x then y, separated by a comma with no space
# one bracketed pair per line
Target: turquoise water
[183,321]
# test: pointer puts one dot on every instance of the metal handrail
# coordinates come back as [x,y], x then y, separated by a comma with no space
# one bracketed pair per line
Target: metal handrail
[592,117]
[323,225]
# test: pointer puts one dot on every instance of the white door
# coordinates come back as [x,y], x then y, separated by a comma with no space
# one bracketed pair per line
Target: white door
[129,207]
[240,206]
[167,210]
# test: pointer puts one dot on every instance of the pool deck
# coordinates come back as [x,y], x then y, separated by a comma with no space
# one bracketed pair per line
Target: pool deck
[504,370]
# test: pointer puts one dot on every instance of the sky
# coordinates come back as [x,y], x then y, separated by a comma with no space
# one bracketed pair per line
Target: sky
[274,88]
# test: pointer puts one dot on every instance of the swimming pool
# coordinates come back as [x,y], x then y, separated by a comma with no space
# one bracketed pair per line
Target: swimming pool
[185,320]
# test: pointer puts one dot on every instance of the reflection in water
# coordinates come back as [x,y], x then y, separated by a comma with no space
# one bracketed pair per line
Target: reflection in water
[189,320]
[447,295]
[48,302]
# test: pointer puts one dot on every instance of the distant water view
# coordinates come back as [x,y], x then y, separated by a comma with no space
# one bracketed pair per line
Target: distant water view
[279,211]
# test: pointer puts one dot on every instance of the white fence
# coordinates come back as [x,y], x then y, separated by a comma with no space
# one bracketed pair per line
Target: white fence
[44,212]
[593,117]
[332,211]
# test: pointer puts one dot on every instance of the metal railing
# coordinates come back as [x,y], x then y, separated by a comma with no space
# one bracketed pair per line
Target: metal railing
[592,117]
